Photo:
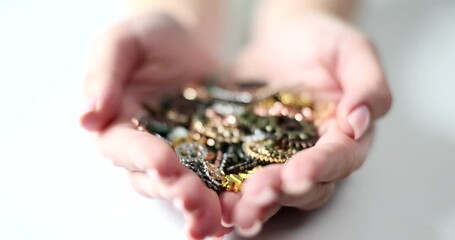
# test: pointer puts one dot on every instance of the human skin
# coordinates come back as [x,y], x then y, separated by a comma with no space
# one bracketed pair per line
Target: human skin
[135,61]
[325,56]
[311,48]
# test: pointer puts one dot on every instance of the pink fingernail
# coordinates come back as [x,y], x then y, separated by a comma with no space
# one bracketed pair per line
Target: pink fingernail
[90,121]
[89,118]
[89,106]
[191,235]
[359,119]
[178,204]
[187,231]
[217,238]
[251,231]
[226,224]
[297,187]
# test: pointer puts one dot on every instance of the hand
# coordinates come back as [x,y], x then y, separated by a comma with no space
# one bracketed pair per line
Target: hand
[321,54]
[135,61]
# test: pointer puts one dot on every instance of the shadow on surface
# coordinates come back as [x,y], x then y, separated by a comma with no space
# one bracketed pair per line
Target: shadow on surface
[289,220]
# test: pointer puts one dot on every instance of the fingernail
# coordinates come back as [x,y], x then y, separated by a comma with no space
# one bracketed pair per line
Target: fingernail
[190,234]
[251,231]
[218,238]
[89,106]
[359,119]
[178,204]
[297,187]
[226,224]
[89,117]
[265,196]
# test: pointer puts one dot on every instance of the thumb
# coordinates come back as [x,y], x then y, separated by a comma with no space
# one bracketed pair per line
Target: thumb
[114,58]
[366,95]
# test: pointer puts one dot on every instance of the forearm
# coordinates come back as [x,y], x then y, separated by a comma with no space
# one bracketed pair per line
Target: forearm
[271,14]
[202,18]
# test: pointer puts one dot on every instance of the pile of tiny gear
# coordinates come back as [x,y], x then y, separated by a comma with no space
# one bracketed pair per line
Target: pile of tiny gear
[224,132]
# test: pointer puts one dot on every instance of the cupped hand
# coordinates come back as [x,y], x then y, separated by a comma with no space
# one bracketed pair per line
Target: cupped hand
[136,61]
[320,54]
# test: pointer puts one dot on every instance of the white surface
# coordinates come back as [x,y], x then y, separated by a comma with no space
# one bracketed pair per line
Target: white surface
[54,185]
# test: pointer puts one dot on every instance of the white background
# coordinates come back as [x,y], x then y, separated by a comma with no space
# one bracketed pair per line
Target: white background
[54,185]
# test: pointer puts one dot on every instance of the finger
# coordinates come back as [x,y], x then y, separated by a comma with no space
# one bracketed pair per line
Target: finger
[189,195]
[222,232]
[366,95]
[259,195]
[228,201]
[201,206]
[263,187]
[139,151]
[143,185]
[115,56]
[334,157]
[262,215]
[317,196]
[153,186]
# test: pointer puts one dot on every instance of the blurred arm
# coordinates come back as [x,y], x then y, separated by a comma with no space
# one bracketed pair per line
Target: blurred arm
[202,18]
[271,14]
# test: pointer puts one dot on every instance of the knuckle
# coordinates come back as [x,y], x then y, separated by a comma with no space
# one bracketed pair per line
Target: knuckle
[139,154]
[381,94]
[364,41]
[146,153]
[360,41]
[320,200]
[386,99]
[102,146]
[142,186]
[115,160]
[353,163]
[107,142]
[317,163]
[137,186]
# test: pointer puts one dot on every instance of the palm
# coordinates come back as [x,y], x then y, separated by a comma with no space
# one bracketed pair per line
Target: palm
[152,56]
[166,59]
[140,61]
[302,54]
[331,61]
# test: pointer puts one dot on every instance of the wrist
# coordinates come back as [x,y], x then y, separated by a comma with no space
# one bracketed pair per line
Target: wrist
[199,18]
[272,15]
